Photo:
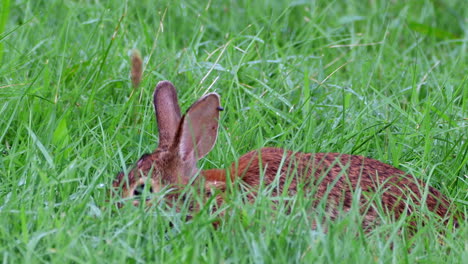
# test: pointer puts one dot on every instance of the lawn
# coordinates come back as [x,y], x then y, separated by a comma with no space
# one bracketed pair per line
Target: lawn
[383,79]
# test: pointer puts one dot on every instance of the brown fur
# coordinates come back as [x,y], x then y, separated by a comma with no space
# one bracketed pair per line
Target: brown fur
[335,177]
[330,177]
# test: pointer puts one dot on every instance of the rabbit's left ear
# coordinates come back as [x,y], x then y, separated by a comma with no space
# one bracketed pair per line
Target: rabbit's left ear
[167,112]
[199,128]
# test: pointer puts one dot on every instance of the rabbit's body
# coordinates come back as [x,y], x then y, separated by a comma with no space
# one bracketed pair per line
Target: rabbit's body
[334,178]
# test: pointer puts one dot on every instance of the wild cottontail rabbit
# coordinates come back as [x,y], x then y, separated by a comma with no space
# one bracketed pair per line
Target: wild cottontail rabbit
[183,140]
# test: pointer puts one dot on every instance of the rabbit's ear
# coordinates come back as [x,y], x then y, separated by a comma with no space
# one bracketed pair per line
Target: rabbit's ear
[199,128]
[167,112]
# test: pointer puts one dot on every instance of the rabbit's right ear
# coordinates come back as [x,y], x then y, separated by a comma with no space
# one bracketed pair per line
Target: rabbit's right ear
[199,128]
[167,112]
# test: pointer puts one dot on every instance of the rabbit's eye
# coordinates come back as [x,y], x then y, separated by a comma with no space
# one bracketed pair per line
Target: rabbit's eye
[145,156]
[140,189]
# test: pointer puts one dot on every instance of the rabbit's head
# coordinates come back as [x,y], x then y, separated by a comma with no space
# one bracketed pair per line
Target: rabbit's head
[182,142]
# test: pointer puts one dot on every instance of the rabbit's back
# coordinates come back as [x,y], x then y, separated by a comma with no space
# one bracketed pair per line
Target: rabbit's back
[337,177]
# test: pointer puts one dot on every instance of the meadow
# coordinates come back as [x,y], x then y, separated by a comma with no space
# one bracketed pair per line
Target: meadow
[383,79]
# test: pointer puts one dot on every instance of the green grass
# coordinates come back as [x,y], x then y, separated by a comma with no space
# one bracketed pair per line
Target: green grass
[384,79]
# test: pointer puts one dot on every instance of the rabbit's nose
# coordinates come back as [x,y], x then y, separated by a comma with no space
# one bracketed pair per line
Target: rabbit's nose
[140,189]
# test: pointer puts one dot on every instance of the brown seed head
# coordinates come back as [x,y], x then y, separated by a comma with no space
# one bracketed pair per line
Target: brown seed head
[137,68]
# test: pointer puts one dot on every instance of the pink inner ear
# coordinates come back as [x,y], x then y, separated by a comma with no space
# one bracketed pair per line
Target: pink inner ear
[200,127]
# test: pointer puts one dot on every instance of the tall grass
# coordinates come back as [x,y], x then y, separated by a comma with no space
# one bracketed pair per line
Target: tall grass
[385,79]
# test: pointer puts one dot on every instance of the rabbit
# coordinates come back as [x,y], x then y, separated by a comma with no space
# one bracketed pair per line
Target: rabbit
[183,140]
